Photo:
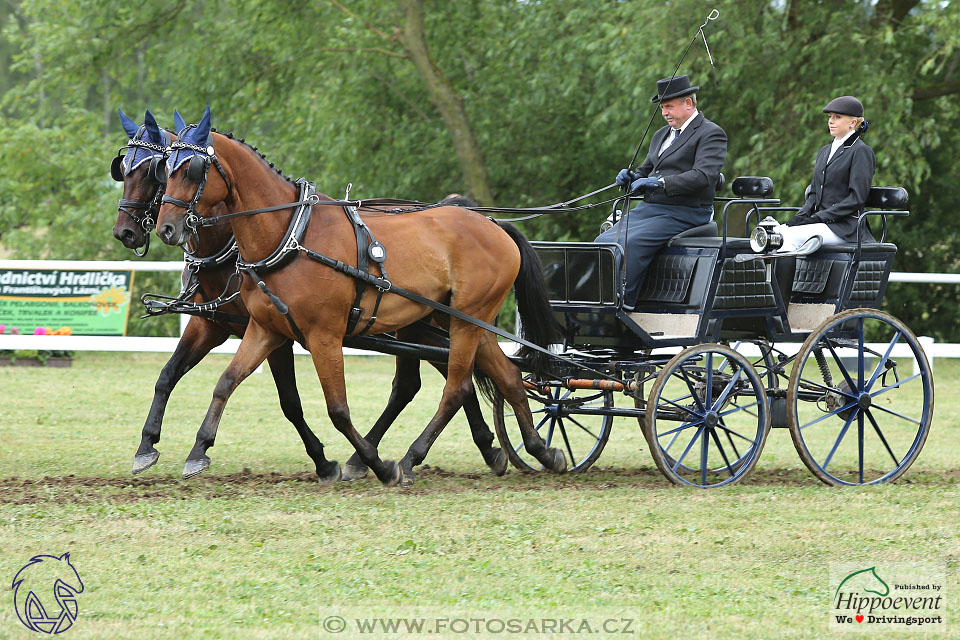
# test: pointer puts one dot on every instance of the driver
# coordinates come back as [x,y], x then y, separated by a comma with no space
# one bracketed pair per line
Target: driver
[678,176]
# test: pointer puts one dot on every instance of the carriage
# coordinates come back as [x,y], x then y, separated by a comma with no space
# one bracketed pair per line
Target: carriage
[727,341]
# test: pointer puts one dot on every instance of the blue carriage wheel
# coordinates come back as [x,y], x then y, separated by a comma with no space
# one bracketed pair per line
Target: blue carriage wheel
[571,420]
[707,417]
[860,399]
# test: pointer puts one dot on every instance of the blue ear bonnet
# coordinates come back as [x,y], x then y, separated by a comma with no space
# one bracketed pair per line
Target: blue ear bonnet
[138,155]
[197,136]
[186,135]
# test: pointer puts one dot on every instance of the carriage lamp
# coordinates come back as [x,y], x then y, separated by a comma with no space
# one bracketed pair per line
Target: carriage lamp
[764,238]
[611,220]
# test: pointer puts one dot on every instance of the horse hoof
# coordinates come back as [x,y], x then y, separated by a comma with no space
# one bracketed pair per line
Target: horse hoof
[330,478]
[558,462]
[499,465]
[195,467]
[351,472]
[392,477]
[144,461]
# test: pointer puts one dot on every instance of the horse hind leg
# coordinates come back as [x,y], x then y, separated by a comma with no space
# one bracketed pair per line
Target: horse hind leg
[492,361]
[256,345]
[199,337]
[281,367]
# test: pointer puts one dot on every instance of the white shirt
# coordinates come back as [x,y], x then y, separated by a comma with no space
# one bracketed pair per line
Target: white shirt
[837,143]
[672,134]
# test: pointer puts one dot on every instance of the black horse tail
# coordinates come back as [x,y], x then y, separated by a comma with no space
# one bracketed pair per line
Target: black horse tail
[537,323]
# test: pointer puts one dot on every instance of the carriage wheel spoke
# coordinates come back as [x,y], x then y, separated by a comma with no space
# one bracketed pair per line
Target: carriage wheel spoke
[860,430]
[895,385]
[704,450]
[726,392]
[583,428]
[723,454]
[840,366]
[728,431]
[881,365]
[876,428]
[805,382]
[739,408]
[566,441]
[894,413]
[685,425]
[679,406]
[860,365]
[693,391]
[843,432]
[733,444]
[687,450]
[837,411]
[553,426]
[708,392]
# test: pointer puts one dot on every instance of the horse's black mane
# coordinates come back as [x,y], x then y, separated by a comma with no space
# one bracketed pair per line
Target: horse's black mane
[256,151]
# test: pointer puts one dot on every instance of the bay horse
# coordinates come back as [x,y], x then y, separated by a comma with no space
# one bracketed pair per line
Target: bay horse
[143,173]
[447,255]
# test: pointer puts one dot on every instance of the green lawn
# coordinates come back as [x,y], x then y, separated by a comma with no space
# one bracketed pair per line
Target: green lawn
[254,549]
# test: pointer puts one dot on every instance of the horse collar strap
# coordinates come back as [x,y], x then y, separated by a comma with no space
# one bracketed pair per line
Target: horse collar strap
[295,230]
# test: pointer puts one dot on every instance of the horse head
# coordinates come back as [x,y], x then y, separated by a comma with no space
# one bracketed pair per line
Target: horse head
[41,582]
[142,172]
[191,186]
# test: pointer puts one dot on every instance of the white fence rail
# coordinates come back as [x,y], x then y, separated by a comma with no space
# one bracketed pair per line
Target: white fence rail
[132,343]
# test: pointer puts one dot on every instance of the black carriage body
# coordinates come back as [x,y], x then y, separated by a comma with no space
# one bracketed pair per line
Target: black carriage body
[696,292]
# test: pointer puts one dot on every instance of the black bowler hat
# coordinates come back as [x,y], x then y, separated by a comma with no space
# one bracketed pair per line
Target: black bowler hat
[674,87]
[846,105]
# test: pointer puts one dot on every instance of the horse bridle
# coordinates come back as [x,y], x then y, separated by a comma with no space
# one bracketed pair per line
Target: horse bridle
[198,169]
[156,172]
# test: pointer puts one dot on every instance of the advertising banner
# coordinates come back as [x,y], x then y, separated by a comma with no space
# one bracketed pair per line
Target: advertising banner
[76,301]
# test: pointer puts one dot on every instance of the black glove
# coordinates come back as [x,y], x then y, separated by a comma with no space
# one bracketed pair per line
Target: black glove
[644,184]
[800,219]
[625,177]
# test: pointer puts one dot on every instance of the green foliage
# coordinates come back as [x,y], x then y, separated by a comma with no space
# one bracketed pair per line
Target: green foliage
[557,94]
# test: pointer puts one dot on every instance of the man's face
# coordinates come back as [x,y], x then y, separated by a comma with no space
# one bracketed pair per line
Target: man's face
[676,111]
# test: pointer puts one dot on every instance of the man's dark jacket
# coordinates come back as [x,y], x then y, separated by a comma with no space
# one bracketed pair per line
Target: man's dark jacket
[840,187]
[689,167]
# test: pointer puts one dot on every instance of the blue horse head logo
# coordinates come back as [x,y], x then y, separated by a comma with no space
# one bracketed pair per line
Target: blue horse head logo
[45,593]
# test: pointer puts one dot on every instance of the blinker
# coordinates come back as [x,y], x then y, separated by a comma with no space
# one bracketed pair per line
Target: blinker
[157,170]
[116,169]
[197,168]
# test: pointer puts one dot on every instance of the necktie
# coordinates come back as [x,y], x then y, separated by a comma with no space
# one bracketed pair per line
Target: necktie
[671,138]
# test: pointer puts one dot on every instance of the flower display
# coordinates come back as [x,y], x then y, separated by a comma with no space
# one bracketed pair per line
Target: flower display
[109,300]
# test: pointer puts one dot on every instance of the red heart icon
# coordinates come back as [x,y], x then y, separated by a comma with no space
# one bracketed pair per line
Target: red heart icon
[859,618]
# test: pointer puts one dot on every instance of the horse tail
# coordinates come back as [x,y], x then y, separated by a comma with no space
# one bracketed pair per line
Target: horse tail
[537,323]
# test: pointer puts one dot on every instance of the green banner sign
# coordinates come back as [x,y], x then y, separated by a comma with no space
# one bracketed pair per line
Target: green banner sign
[77,301]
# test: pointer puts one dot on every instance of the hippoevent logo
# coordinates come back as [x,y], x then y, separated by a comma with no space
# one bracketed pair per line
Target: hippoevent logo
[45,593]
[888,597]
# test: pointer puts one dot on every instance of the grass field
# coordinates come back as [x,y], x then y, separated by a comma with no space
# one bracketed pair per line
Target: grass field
[255,549]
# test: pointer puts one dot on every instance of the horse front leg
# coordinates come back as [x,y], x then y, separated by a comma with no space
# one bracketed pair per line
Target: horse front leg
[406,384]
[256,345]
[199,337]
[328,360]
[284,375]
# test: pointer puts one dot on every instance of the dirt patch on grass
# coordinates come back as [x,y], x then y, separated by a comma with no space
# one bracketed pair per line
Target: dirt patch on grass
[430,480]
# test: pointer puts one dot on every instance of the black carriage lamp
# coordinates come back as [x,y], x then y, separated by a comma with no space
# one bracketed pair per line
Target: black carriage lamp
[764,238]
